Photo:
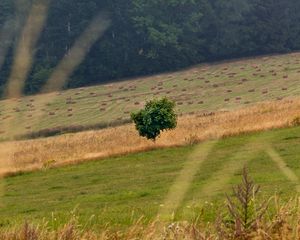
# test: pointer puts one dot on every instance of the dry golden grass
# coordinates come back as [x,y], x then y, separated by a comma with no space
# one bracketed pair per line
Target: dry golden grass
[72,148]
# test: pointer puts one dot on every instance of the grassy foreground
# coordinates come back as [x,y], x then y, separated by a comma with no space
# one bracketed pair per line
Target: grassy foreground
[120,190]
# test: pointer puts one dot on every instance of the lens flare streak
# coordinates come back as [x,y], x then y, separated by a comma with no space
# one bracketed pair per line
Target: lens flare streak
[181,185]
[77,53]
[24,53]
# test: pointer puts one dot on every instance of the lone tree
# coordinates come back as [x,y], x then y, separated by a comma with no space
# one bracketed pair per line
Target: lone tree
[157,116]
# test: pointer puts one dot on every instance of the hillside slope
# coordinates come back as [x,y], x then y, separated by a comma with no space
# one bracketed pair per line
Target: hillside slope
[204,88]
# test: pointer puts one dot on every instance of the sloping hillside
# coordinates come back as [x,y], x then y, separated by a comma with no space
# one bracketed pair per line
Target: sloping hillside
[204,88]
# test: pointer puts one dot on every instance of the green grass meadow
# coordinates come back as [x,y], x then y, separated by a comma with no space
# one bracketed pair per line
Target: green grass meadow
[120,190]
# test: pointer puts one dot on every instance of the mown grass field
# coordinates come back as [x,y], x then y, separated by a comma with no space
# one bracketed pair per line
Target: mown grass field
[122,189]
[203,88]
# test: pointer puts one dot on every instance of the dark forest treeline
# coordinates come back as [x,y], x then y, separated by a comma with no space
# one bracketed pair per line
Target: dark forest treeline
[149,36]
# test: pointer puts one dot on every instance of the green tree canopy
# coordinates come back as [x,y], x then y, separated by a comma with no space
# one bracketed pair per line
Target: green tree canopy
[157,116]
[149,36]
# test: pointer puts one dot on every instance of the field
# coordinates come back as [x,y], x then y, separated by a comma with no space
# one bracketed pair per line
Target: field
[231,114]
[120,190]
[201,89]
[41,153]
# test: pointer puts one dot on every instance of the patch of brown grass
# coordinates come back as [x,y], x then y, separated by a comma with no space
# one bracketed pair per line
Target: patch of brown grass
[26,155]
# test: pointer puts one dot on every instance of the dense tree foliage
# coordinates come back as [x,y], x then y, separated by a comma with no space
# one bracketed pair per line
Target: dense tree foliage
[149,36]
[157,116]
